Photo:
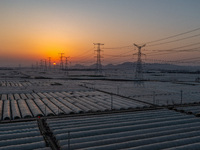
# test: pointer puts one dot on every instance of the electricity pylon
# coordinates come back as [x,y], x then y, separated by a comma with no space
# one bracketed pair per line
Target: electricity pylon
[49,63]
[36,65]
[98,63]
[45,64]
[139,68]
[61,61]
[67,64]
[41,64]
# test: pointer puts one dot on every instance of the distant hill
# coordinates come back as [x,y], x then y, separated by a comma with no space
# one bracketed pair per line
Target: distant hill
[146,67]
[78,66]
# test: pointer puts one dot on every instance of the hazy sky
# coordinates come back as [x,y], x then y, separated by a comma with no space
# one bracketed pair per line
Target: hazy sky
[31,30]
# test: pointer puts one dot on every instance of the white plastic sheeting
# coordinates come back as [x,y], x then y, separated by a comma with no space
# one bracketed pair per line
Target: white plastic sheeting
[41,95]
[193,146]
[47,95]
[70,105]
[23,96]
[67,94]
[28,146]
[61,106]
[81,101]
[29,96]
[17,96]
[15,110]
[53,95]
[191,109]
[46,148]
[89,101]
[78,104]
[35,95]
[59,94]
[20,126]
[6,110]
[173,141]
[20,141]
[57,103]
[34,109]
[4,97]
[1,108]
[159,129]
[13,83]
[10,97]
[24,109]
[32,129]
[23,135]
[52,106]
[45,109]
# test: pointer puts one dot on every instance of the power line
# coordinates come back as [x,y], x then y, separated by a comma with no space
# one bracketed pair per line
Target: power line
[84,59]
[83,54]
[83,62]
[116,55]
[86,56]
[189,58]
[175,40]
[177,47]
[121,55]
[110,59]
[176,35]
[118,47]
[177,51]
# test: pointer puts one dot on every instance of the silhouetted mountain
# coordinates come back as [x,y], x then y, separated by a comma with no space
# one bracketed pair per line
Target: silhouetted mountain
[157,66]
[78,66]
[146,67]
[109,66]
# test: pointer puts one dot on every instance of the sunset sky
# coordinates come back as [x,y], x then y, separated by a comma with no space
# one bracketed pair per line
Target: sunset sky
[31,30]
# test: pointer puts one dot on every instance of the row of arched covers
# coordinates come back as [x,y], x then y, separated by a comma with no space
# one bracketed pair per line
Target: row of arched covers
[142,130]
[21,135]
[58,103]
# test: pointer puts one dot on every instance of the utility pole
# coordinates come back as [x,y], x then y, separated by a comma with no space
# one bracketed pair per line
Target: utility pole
[98,63]
[139,69]
[49,63]
[61,61]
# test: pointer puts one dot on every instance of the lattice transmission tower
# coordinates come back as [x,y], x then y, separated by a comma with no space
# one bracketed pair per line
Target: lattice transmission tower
[98,63]
[139,68]
[45,64]
[61,61]
[49,63]
[67,65]
[41,64]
